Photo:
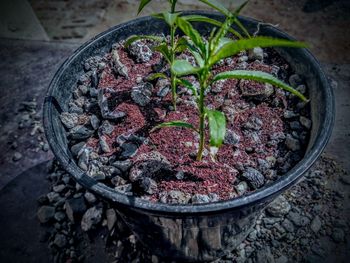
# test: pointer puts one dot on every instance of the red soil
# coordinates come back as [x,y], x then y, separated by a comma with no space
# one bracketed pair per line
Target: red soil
[178,145]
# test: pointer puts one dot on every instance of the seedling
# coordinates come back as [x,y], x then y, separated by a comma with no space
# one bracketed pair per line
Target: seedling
[178,45]
[208,52]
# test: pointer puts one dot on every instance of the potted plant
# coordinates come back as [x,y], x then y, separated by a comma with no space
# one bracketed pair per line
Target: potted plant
[129,115]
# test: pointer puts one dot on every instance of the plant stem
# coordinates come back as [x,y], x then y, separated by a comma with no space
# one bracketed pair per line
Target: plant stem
[203,86]
[173,78]
[201,125]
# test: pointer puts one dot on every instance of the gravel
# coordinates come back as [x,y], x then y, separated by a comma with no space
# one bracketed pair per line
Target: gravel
[279,207]
[290,230]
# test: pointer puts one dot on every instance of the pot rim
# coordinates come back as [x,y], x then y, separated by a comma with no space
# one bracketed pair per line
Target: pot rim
[259,195]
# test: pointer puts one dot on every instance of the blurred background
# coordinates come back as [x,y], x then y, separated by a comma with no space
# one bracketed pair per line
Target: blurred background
[321,23]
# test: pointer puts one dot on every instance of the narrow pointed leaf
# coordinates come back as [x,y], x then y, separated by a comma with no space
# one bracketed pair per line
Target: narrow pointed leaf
[180,124]
[181,45]
[157,76]
[132,39]
[158,15]
[192,33]
[220,34]
[196,54]
[142,5]
[188,85]
[217,127]
[217,6]
[183,67]
[199,18]
[163,49]
[233,47]
[240,8]
[258,76]
[170,18]
[241,26]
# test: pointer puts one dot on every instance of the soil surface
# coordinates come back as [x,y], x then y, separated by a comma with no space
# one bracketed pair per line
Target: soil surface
[267,128]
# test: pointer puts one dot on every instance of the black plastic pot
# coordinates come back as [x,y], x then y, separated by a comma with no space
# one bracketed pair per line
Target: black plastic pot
[188,232]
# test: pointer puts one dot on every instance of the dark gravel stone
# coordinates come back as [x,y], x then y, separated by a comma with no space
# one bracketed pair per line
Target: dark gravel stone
[253,123]
[104,145]
[95,122]
[253,177]
[175,197]
[279,207]
[17,156]
[124,189]
[148,164]
[140,51]
[59,216]
[288,225]
[292,143]
[90,198]
[123,166]
[94,79]
[338,235]
[46,213]
[305,122]
[105,112]
[231,138]
[128,150]
[111,217]
[75,207]
[91,217]
[60,240]
[316,224]
[118,67]
[83,160]
[148,185]
[80,132]
[298,219]
[295,80]
[141,94]
[69,120]
[106,128]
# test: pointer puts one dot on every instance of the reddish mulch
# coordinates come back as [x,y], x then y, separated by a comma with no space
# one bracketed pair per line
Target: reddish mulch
[178,144]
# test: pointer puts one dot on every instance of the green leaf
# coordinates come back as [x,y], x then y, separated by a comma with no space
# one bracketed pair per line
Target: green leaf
[188,85]
[199,18]
[132,39]
[217,6]
[233,47]
[196,55]
[157,76]
[192,33]
[181,45]
[240,8]
[217,127]
[240,25]
[142,5]
[158,15]
[163,49]
[183,67]
[258,76]
[220,34]
[170,18]
[180,124]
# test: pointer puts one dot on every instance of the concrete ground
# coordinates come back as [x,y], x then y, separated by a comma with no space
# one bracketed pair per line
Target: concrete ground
[51,30]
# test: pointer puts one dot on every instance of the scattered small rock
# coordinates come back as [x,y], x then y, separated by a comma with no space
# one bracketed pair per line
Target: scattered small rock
[254,177]
[141,94]
[75,207]
[17,156]
[91,217]
[279,207]
[46,213]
